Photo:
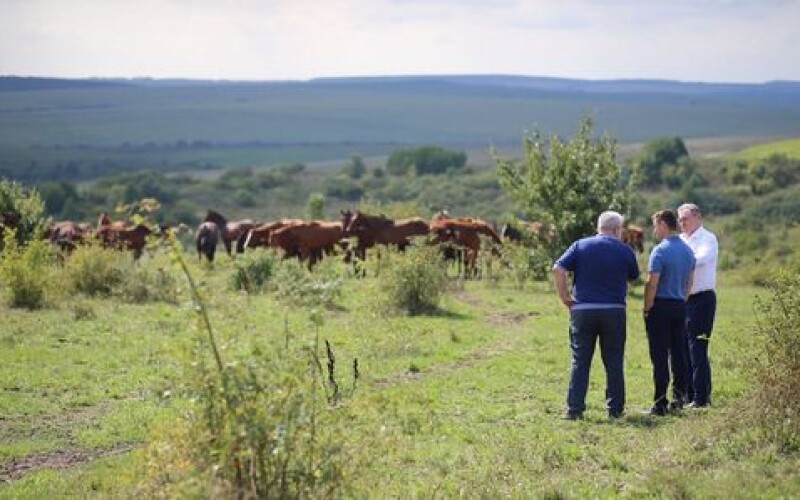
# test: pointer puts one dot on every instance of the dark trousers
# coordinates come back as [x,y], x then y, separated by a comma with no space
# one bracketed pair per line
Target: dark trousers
[586,327]
[666,323]
[700,310]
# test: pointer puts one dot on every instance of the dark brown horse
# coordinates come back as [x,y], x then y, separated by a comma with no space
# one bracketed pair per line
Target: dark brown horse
[230,231]
[206,240]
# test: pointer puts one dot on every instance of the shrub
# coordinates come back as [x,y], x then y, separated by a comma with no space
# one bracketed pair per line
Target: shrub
[147,283]
[523,264]
[26,205]
[93,270]
[414,282]
[26,271]
[296,285]
[776,402]
[254,271]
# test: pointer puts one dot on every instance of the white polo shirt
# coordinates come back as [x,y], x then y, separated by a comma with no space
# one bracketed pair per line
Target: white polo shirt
[704,245]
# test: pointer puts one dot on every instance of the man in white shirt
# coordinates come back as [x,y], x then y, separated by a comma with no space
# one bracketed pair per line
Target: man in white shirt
[702,301]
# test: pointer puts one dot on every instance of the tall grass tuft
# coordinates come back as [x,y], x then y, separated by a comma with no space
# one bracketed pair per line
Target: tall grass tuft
[776,403]
[26,271]
[414,282]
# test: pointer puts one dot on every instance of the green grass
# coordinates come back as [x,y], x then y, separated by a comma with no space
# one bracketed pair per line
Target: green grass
[463,403]
[788,147]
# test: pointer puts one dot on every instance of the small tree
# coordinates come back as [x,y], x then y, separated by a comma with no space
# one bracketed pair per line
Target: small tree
[24,206]
[568,184]
[315,207]
[657,154]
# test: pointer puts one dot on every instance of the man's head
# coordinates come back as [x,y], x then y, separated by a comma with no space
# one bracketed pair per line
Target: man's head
[610,222]
[664,223]
[689,218]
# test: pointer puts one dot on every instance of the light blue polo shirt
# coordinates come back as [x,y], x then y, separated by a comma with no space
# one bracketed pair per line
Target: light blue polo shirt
[674,261]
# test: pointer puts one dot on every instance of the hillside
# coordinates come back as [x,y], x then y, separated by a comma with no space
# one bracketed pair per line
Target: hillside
[58,129]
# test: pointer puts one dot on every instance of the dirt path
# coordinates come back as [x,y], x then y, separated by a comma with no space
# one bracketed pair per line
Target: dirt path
[58,459]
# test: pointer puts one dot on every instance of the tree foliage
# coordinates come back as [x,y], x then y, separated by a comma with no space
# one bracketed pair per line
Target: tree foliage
[425,160]
[657,154]
[23,204]
[567,184]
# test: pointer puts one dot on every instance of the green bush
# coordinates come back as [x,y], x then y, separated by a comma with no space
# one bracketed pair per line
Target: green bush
[413,282]
[147,283]
[522,264]
[296,285]
[776,401]
[93,270]
[27,272]
[254,270]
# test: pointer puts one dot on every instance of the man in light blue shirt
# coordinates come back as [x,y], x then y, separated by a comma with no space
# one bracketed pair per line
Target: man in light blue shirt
[669,280]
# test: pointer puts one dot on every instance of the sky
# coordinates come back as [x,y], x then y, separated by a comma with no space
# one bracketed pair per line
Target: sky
[687,40]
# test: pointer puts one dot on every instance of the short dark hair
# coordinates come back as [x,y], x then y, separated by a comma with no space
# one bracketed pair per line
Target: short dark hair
[667,217]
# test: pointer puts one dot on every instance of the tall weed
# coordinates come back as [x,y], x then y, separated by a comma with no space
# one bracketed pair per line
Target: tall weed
[261,426]
[776,403]
[254,270]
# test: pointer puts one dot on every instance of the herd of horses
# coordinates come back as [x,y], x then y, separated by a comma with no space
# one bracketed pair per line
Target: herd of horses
[353,235]
[357,232]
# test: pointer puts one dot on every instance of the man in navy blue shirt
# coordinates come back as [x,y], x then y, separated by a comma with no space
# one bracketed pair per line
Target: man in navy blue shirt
[669,279]
[601,266]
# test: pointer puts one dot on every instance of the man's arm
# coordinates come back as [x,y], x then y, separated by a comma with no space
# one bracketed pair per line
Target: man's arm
[650,287]
[560,278]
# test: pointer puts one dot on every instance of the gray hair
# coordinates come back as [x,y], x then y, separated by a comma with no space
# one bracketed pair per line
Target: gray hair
[609,220]
[690,207]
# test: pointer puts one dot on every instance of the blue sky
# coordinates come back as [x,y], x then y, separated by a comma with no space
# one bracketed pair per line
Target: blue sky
[690,40]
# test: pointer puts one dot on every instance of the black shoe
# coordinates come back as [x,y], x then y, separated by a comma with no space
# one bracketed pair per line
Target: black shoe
[658,410]
[615,414]
[572,416]
[676,405]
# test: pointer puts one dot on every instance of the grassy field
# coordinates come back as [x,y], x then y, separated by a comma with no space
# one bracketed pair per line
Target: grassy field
[465,402]
[788,147]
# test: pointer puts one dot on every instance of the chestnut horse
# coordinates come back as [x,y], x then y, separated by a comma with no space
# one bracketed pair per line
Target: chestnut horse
[229,231]
[259,235]
[374,230]
[307,240]
[633,236]
[462,232]
[66,234]
[206,240]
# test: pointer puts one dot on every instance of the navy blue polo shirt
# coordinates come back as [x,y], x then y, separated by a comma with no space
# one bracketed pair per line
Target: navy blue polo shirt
[602,266]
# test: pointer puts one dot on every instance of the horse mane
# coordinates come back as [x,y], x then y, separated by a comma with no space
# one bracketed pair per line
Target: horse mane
[215,217]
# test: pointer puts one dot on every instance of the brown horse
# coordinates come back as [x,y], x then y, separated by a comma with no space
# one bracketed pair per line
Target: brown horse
[463,233]
[259,235]
[206,240]
[229,231]
[633,236]
[66,234]
[308,240]
[374,230]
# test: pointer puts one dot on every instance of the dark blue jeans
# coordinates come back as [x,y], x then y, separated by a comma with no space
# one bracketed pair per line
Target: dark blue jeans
[700,310]
[586,326]
[666,323]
